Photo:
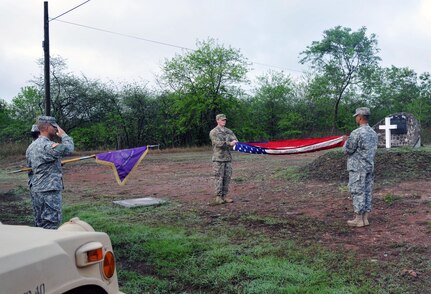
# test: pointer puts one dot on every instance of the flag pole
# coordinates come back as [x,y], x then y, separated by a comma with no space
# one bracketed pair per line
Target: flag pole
[27,169]
[77,159]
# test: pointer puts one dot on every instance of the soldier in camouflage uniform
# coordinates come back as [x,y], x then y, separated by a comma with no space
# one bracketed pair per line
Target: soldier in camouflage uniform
[360,148]
[222,140]
[45,179]
[34,132]
[34,135]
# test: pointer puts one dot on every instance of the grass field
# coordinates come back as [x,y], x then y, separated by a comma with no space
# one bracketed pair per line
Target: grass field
[168,250]
[184,247]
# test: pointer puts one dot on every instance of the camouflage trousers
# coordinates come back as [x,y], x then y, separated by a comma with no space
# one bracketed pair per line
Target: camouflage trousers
[47,209]
[222,173]
[361,190]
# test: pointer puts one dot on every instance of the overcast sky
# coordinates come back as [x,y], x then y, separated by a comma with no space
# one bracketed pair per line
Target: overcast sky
[271,32]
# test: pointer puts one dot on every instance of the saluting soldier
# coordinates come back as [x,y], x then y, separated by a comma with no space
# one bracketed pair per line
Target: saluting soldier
[360,148]
[46,179]
[222,139]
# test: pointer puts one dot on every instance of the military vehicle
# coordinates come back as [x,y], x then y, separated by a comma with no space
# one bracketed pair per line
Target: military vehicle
[73,259]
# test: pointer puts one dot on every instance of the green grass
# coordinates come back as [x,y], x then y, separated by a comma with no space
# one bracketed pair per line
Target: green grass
[390,199]
[168,249]
[291,173]
[13,149]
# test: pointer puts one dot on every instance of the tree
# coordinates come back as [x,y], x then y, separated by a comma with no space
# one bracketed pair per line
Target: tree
[27,105]
[204,82]
[345,59]
[140,111]
[76,100]
[271,104]
[424,100]
[397,88]
[22,113]
[4,119]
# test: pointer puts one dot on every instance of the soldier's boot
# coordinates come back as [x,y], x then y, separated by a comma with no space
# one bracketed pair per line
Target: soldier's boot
[357,221]
[227,200]
[218,200]
[365,218]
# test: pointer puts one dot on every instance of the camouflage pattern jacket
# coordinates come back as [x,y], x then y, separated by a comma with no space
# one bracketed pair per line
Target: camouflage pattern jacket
[45,162]
[220,137]
[361,148]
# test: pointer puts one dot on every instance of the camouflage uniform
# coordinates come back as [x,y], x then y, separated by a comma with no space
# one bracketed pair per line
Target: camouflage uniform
[361,148]
[222,159]
[46,180]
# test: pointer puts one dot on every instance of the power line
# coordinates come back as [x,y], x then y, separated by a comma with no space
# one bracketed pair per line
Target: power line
[70,10]
[125,35]
[276,66]
[159,43]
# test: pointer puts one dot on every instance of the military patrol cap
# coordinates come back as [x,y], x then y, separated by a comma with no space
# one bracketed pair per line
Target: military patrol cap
[362,111]
[34,129]
[47,120]
[220,116]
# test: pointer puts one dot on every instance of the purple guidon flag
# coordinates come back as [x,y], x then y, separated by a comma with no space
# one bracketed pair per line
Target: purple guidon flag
[123,162]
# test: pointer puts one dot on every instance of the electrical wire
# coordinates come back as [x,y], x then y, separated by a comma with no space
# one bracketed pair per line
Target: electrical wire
[276,66]
[158,42]
[124,35]
[69,10]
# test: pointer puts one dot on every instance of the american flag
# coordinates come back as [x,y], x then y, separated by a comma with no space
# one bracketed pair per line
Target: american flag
[242,147]
[293,146]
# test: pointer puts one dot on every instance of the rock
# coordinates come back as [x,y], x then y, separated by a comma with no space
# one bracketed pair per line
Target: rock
[407,133]
[409,272]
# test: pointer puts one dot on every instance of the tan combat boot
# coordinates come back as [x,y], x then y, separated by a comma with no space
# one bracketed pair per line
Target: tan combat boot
[365,218]
[218,200]
[357,222]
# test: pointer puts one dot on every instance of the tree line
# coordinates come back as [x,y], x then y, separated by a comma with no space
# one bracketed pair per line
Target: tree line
[344,73]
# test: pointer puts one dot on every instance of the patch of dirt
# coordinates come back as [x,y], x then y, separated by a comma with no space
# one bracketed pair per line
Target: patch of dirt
[11,207]
[313,209]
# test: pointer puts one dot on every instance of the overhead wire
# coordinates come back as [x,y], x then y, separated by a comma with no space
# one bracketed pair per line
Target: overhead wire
[149,40]
[69,10]
[276,66]
[124,35]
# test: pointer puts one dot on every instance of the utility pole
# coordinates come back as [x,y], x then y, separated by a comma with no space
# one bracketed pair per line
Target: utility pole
[46,59]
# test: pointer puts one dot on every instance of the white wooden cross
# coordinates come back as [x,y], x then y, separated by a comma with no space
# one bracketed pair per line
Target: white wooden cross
[387,127]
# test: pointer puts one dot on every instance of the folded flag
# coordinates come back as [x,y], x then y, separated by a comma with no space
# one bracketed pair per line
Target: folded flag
[290,146]
[123,162]
[247,148]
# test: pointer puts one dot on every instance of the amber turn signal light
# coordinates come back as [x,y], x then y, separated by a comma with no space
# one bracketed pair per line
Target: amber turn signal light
[95,255]
[89,254]
[109,265]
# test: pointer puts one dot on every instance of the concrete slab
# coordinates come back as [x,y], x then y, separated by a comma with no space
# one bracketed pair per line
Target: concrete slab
[146,201]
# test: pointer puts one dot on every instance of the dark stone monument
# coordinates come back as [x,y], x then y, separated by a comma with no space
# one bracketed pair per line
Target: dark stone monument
[406,133]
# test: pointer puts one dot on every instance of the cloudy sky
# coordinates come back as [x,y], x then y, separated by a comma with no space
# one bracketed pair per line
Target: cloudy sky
[127,40]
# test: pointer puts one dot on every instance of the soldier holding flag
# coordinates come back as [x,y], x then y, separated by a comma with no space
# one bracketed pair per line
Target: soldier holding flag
[222,140]
[360,148]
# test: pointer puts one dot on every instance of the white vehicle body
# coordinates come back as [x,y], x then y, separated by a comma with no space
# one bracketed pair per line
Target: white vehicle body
[68,260]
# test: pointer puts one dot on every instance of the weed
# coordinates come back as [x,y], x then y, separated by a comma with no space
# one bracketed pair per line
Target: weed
[291,173]
[390,199]
[238,180]
[343,188]
[10,149]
